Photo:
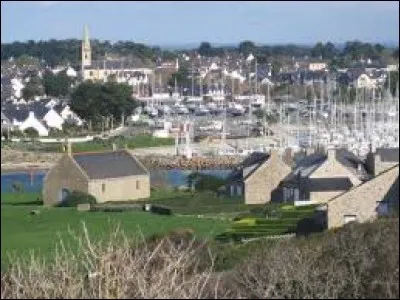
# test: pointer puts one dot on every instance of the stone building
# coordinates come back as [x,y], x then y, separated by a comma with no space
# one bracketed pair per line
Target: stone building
[109,176]
[321,176]
[256,177]
[378,196]
[382,159]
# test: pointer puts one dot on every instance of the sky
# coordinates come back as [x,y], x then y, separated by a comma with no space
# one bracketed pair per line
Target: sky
[191,22]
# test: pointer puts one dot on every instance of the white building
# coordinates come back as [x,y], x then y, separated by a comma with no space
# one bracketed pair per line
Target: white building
[53,119]
[17,86]
[317,66]
[33,122]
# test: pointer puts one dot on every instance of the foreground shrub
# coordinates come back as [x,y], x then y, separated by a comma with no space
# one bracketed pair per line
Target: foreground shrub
[120,268]
[357,261]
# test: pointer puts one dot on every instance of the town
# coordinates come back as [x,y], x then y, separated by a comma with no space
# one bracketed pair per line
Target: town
[248,147]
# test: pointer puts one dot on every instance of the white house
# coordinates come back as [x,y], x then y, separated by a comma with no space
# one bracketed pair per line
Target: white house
[67,114]
[317,66]
[17,86]
[71,72]
[51,103]
[53,119]
[364,81]
[32,122]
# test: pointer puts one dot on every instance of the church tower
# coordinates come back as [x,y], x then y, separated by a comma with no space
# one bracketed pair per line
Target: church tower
[86,50]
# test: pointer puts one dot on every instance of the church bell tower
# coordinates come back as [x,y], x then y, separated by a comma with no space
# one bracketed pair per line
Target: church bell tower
[86,50]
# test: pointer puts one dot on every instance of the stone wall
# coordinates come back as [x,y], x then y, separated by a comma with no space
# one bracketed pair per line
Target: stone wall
[65,174]
[259,186]
[120,189]
[362,201]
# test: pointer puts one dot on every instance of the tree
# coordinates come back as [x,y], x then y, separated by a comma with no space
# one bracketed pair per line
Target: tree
[94,101]
[182,78]
[33,88]
[379,48]
[247,47]
[205,49]
[393,76]
[57,85]
[395,53]
[329,51]
[318,50]
[31,132]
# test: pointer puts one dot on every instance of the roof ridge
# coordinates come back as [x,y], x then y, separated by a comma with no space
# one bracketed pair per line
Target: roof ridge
[357,186]
[97,152]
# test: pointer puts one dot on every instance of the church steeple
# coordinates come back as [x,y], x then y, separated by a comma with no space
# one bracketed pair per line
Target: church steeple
[86,49]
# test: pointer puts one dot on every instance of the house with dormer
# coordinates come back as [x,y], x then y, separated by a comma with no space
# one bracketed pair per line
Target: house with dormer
[321,176]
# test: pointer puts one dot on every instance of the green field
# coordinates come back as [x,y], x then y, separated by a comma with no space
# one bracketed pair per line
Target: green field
[22,232]
[139,141]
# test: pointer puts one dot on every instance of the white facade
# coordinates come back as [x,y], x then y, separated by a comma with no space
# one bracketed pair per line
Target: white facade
[67,113]
[71,72]
[17,87]
[31,121]
[364,81]
[53,119]
[317,66]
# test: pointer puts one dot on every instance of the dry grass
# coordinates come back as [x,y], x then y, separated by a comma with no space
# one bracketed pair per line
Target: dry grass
[357,261]
[163,268]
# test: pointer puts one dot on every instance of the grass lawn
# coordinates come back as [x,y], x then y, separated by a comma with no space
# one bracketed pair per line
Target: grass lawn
[196,203]
[139,141]
[22,232]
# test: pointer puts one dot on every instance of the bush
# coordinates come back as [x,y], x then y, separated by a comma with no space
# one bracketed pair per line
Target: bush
[204,182]
[357,261]
[174,266]
[160,210]
[31,132]
[17,187]
[77,197]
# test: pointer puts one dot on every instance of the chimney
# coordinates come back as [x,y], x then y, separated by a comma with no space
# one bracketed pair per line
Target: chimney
[273,153]
[331,153]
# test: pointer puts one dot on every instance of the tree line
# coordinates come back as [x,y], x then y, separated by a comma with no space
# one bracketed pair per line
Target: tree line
[62,52]
[59,52]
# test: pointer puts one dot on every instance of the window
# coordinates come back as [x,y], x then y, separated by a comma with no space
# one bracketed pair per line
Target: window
[103,187]
[350,218]
[91,73]
[137,184]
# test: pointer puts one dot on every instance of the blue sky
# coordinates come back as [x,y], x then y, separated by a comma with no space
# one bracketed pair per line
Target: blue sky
[188,22]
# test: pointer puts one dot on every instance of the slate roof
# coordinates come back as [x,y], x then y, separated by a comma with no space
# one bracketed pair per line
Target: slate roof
[388,154]
[116,64]
[111,164]
[306,166]
[248,166]
[20,113]
[328,184]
